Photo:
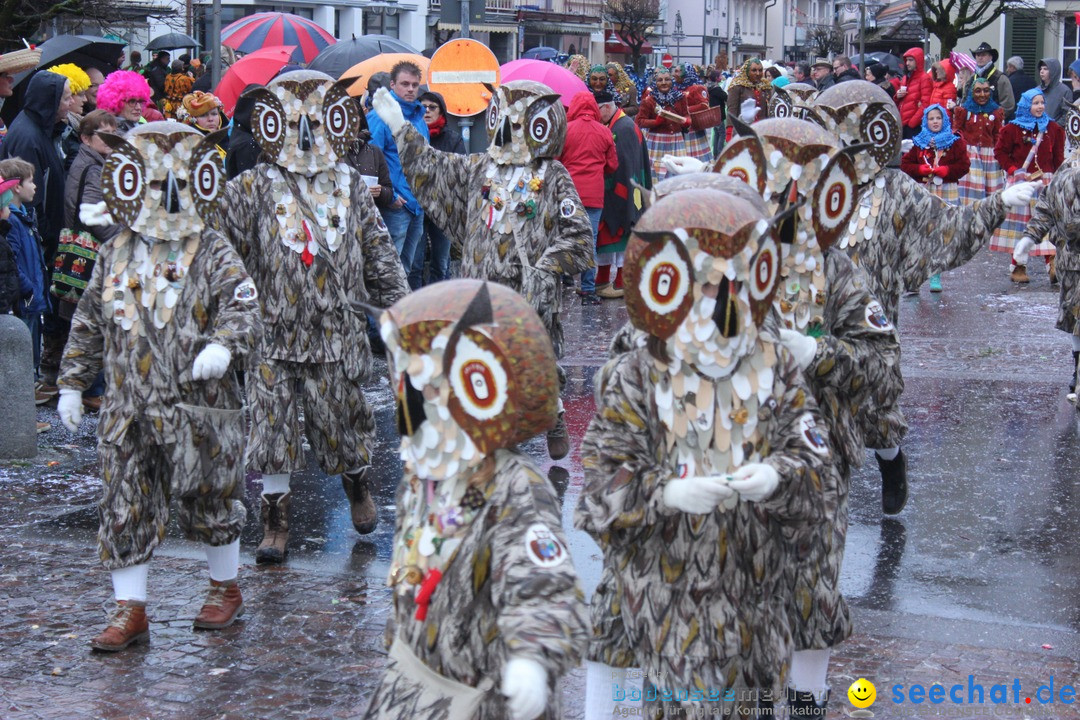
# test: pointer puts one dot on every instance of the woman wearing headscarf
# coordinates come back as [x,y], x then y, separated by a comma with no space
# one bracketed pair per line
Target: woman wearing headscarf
[979,121]
[579,65]
[663,116]
[697,100]
[749,83]
[625,87]
[1031,146]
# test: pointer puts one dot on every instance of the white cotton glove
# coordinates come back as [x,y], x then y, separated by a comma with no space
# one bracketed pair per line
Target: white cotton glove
[69,406]
[388,109]
[906,145]
[211,363]
[802,347]
[1020,252]
[95,214]
[682,165]
[696,495]
[525,685]
[754,481]
[1019,194]
[748,111]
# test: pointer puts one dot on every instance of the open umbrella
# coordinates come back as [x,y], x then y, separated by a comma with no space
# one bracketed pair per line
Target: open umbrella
[338,58]
[259,67]
[172,41]
[556,77]
[381,63]
[274,29]
[540,53]
[888,59]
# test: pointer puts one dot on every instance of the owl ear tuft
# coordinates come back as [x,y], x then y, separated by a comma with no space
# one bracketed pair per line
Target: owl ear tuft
[113,140]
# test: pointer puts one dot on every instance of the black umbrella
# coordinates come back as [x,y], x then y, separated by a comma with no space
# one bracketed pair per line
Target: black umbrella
[540,53]
[343,54]
[888,59]
[172,41]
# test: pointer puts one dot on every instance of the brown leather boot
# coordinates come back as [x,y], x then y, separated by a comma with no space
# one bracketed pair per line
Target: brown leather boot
[558,441]
[223,605]
[275,520]
[1051,269]
[365,517]
[127,625]
[1019,274]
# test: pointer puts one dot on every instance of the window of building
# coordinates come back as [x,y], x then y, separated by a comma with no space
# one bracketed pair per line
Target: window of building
[1070,43]
[381,23]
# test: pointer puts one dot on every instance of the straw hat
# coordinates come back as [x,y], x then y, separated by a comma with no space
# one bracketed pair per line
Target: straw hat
[19,60]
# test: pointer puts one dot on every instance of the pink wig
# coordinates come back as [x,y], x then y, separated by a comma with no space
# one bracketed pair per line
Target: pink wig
[119,87]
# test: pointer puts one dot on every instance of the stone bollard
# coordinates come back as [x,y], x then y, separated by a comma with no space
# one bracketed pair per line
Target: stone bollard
[18,433]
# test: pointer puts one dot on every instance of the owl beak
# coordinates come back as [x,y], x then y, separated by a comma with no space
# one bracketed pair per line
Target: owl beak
[503,136]
[306,141]
[170,199]
[726,313]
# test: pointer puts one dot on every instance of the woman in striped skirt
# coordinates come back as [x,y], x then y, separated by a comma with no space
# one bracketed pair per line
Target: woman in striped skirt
[979,121]
[663,116]
[697,100]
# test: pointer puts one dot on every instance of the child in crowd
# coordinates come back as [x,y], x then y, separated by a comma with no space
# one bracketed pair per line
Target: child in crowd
[26,244]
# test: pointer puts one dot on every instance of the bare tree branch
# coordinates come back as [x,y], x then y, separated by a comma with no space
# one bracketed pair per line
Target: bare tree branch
[634,21]
[956,19]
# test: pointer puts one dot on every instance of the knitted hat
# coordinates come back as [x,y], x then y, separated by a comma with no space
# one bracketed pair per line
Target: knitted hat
[16,62]
[78,78]
[200,103]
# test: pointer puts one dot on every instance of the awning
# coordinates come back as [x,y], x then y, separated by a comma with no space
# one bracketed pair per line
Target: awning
[509,29]
[616,45]
[562,28]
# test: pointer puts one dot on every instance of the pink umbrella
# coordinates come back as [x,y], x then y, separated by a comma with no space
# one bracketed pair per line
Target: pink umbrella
[556,77]
[962,60]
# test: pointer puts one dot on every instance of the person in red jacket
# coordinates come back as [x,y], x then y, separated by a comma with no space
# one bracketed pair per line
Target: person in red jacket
[942,85]
[1031,146]
[589,157]
[914,92]
[657,117]
[979,121]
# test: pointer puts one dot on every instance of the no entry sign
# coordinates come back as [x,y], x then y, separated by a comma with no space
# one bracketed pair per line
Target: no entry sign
[667,61]
[459,71]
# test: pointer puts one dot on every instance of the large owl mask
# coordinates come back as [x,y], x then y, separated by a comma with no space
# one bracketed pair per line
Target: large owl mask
[473,370]
[701,269]
[791,100]
[860,112]
[525,122]
[163,179]
[304,120]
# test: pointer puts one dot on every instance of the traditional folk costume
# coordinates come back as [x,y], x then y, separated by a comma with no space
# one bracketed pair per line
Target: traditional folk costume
[743,88]
[663,135]
[484,588]
[980,126]
[315,244]
[623,202]
[697,100]
[709,408]
[169,309]
[513,210]
[627,95]
[1029,146]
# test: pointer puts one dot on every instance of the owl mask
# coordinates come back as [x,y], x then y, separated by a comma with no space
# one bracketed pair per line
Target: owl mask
[304,120]
[1072,123]
[702,266]
[473,370]
[860,112]
[525,122]
[163,179]
[791,100]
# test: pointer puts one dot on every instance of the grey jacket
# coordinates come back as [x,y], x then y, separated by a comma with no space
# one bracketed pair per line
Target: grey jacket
[91,162]
[1055,93]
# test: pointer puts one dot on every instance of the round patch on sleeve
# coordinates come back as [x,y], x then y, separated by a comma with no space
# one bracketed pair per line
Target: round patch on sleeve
[811,436]
[543,547]
[567,208]
[876,317]
[246,292]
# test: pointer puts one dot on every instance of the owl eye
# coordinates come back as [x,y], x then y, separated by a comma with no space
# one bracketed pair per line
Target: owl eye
[127,181]
[478,379]
[337,120]
[271,124]
[208,179]
[834,200]
[666,280]
[744,160]
[1073,124]
[493,117]
[540,126]
[765,269]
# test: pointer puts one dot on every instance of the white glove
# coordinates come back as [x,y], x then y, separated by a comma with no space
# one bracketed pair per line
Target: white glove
[211,363]
[802,347]
[95,214]
[70,408]
[682,165]
[696,495]
[906,145]
[1019,194]
[525,685]
[748,111]
[754,481]
[1020,252]
[388,109]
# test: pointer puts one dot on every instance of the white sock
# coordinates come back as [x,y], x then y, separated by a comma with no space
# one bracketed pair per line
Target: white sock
[887,453]
[1075,342]
[601,683]
[275,484]
[130,583]
[561,408]
[224,561]
[808,671]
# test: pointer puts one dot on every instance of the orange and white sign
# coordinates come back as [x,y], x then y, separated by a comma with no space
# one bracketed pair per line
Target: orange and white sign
[460,71]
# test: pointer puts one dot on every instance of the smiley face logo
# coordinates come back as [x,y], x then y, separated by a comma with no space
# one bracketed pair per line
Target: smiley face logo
[862,693]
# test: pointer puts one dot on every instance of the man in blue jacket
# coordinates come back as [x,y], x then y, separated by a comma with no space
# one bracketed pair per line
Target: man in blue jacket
[404,218]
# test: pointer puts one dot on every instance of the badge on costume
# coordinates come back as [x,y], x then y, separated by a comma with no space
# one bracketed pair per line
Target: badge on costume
[876,318]
[246,292]
[543,548]
[811,436]
[567,208]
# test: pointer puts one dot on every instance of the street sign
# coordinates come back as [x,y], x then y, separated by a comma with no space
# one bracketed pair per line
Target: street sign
[667,61]
[459,71]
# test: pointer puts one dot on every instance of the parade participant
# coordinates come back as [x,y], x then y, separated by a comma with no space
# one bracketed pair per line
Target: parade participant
[901,235]
[664,116]
[979,121]
[513,210]
[625,87]
[312,239]
[203,112]
[124,93]
[579,65]
[748,85]
[168,311]
[1030,146]
[697,100]
[487,605]
[1000,87]
[706,447]
[177,85]
[938,158]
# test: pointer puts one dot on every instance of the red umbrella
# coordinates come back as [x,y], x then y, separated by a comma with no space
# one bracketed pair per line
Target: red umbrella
[269,29]
[258,67]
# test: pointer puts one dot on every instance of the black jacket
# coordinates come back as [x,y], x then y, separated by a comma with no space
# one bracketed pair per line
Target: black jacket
[243,152]
[155,76]
[32,137]
[449,140]
[367,159]
[9,275]
[1021,82]
[849,74]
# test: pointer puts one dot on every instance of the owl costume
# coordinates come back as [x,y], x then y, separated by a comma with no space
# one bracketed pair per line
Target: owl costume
[312,239]
[483,582]
[711,404]
[852,351]
[169,308]
[514,210]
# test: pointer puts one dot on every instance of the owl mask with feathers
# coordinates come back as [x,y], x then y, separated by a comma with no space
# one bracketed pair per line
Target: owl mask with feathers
[861,113]
[525,122]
